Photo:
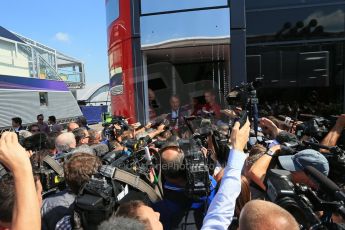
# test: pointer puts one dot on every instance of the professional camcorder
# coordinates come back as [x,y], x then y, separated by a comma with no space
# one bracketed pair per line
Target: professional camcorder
[196,170]
[336,160]
[99,198]
[135,145]
[109,122]
[198,181]
[301,201]
[121,178]
[317,127]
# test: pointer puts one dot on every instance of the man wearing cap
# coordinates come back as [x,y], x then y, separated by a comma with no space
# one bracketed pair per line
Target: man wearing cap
[176,209]
[293,163]
[297,163]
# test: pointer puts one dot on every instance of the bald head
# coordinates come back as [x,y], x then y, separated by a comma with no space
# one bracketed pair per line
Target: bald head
[263,215]
[65,142]
[72,126]
[172,163]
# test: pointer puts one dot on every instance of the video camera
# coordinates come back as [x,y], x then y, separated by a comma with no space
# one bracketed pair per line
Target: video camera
[99,198]
[336,159]
[196,170]
[245,97]
[50,172]
[121,178]
[317,127]
[202,129]
[135,145]
[301,201]
[109,122]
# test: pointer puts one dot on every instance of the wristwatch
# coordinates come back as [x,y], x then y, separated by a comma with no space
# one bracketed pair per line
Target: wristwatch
[270,153]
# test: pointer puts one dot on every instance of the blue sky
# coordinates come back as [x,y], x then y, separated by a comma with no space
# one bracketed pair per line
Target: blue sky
[74,27]
[78,27]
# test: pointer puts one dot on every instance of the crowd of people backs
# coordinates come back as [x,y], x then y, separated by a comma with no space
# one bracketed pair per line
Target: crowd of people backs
[237,196]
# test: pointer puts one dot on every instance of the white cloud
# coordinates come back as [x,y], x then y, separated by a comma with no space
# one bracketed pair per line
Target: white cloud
[62,37]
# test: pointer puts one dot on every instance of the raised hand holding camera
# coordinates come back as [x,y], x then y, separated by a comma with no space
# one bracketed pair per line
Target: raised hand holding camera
[239,136]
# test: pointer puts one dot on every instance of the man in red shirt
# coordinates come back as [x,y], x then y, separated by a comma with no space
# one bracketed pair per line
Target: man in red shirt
[211,104]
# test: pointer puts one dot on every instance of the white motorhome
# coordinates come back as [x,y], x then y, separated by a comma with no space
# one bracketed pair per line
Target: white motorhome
[35,79]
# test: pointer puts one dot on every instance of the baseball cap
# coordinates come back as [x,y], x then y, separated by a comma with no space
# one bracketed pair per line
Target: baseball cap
[304,158]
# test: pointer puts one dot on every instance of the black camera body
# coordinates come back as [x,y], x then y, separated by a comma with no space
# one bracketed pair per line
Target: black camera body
[50,180]
[293,198]
[135,145]
[317,127]
[110,132]
[302,202]
[245,97]
[196,170]
[98,198]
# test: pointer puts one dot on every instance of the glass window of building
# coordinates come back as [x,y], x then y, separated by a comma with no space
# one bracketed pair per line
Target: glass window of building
[266,4]
[296,24]
[165,27]
[154,6]
[43,98]
[112,11]
[186,55]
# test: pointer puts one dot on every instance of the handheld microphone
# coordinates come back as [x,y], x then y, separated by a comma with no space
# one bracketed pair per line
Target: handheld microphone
[325,183]
[148,155]
[285,137]
[100,149]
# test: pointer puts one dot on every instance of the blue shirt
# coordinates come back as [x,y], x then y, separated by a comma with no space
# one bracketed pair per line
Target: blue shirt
[175,206]
[221,210]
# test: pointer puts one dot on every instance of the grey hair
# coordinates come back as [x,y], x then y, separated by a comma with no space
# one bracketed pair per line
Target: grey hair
[121,223]
[63,148]
[64,141]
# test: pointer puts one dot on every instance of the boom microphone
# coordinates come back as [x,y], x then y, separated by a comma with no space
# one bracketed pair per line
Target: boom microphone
[285,137]
[100,149]
[326,184]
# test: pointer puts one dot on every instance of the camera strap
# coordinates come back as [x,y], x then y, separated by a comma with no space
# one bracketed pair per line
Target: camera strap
[54,165]
[137,183]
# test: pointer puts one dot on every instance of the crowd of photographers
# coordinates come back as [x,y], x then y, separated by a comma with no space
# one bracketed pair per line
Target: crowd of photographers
[205,168]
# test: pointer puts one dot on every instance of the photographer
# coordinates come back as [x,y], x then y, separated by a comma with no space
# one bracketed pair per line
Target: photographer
[255,214]
[222,207]
[21,199]
[334,134]
[176,208]
[294,163]
[77,170]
